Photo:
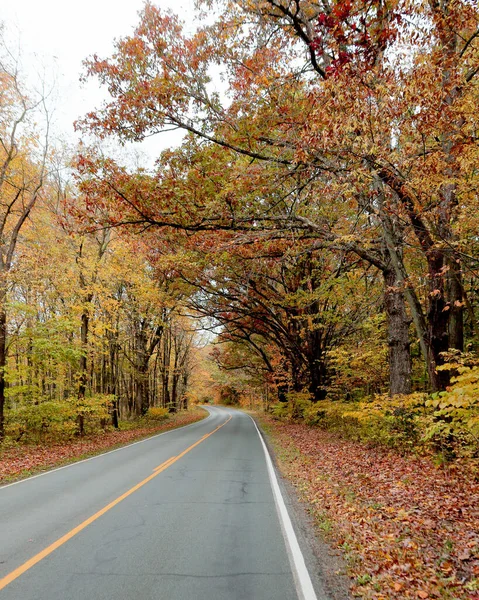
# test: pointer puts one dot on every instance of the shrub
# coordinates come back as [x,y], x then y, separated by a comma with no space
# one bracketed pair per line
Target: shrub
[395,422]
[39,422]
[157,413]
[294,408]
[54,421]
[445,421]
[454,427]
[391,421]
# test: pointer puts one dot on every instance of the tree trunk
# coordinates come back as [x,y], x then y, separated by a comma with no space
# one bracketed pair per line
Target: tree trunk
[398,335]
[165,374]
[317,377]
[438,317]
[85,324]
[174,392]
[3,364]
[185,387]
[175,377]
[112,379]
[456,298]
[142,388]
[424,327]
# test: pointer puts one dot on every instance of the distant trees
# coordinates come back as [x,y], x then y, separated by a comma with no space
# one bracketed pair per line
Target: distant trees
[92,321]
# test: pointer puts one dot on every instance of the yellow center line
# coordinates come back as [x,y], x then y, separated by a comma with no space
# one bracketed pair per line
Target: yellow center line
[163,466]
[44,553]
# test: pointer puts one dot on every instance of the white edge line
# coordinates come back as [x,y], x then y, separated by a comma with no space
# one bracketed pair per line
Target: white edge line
[304,585]
[84,460]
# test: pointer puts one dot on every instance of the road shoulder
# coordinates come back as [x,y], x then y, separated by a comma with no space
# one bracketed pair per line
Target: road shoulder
[325,563]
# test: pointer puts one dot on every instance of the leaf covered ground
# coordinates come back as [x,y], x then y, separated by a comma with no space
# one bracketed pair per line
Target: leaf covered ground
[407,528]
[19,461]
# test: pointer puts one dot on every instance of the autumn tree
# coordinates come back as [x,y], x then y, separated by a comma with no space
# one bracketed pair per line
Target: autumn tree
[23,168]
[377,117]
[230,213]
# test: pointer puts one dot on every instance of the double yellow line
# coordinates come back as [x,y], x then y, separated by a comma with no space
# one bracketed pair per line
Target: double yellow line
[44,553]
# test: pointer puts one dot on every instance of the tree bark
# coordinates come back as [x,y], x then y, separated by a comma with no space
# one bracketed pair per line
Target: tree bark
[85,324]
[112,377]
[456,298]
[398,335]
[423,329]
[142,388]
[3,364]
[165,373]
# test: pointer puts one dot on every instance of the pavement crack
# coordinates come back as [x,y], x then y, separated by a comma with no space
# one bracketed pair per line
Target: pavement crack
[180,575]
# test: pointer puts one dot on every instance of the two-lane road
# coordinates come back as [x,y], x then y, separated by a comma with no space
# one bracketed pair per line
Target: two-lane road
[188,515]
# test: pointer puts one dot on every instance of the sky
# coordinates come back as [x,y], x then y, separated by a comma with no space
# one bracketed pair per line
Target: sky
[55,36]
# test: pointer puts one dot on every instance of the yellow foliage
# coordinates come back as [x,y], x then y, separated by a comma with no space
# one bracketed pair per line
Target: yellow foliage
[456,411]
[157,413]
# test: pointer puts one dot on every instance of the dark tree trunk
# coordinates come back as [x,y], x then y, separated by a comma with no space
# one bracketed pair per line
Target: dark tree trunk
[317,377]
[398,335]
[143,388]
[296,382]
[315,356]
[430,326]
[3,364]
[85,325]
[174,393]
[455,296]
[438,320]
[165,374]
[174,379]
[114,414]
[142,361]
[185,387]
[113,380]
[282,391]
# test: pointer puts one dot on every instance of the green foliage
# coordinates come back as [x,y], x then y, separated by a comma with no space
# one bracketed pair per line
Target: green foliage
[58,421]
[297,407]
[281,411]
[94,408]
[396,421]
[39,422]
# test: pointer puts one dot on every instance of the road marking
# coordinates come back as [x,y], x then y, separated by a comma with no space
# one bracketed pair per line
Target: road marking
[44,553]
[163,464]
[302,579]
[78,462]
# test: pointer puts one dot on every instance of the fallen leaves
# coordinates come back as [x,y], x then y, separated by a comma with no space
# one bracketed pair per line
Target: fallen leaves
[410,526]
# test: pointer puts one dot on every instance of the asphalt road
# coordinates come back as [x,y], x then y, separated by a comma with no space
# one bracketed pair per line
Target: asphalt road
[129,525]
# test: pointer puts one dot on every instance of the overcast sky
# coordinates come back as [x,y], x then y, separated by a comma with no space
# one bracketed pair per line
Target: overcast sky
[61,33]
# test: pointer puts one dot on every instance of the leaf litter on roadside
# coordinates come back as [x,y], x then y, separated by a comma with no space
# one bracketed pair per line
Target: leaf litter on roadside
[22,459]
[408,528]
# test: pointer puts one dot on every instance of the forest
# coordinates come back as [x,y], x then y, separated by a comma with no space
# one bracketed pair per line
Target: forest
[319,220]
[91,325]
[308,252]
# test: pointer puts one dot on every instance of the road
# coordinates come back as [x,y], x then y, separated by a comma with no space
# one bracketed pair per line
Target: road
[192,514]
